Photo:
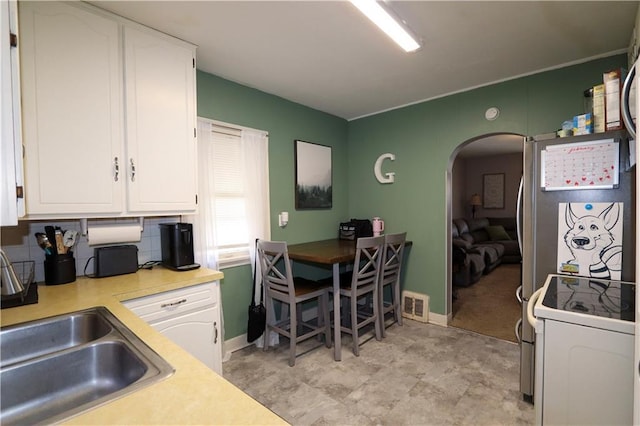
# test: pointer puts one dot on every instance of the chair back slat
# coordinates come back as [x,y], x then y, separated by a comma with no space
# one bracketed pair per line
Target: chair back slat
[276,267]
[390,301]
[280,291]
[368,260]
[393,253]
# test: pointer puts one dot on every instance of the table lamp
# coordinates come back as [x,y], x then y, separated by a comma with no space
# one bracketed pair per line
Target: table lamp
[475,202]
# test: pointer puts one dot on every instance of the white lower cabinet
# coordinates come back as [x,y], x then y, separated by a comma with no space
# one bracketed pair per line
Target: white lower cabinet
[190,317]
[197,333]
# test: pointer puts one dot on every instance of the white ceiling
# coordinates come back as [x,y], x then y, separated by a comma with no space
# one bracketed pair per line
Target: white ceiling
[325,55]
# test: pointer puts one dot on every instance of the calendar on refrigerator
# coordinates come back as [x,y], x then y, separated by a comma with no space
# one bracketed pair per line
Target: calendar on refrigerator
[580,165]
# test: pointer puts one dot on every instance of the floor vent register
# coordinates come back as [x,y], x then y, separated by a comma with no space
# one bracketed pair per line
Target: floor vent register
[415,306]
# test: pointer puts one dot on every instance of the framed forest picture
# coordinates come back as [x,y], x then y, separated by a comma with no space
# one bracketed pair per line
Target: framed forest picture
[313,176]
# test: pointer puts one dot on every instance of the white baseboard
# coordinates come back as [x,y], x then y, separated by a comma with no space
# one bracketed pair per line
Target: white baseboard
[240,342]
[234,344]
[439,319]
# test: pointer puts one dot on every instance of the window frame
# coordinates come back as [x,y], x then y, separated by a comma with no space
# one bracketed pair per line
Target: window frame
[233,255]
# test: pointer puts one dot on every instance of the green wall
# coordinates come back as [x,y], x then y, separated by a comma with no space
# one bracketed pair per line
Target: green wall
[423,138]
[223,100]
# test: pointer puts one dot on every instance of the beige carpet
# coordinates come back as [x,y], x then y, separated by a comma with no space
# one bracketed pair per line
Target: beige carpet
[490,307]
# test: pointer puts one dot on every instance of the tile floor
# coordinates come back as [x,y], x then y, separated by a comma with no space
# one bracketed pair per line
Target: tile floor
[420,374]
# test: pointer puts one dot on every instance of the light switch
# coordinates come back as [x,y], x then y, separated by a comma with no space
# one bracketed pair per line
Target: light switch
[283,219]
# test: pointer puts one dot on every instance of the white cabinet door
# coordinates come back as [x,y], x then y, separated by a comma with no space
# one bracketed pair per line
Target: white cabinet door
[586,376]
[11,176]
[198,333]
[190,317]
[161,140]
[72,110]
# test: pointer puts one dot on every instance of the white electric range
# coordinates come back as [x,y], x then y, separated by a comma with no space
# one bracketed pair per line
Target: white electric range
[584,351]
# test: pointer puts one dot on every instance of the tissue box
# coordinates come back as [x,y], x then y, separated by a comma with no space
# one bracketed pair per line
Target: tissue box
[583,124]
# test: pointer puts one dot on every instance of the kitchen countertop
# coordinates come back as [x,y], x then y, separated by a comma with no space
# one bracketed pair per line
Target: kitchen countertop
[194,394]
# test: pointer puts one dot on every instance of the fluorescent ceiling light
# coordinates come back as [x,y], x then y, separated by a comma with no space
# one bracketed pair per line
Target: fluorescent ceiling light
[391,25]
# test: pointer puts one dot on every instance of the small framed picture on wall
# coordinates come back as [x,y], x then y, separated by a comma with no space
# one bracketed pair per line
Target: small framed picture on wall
[493,191]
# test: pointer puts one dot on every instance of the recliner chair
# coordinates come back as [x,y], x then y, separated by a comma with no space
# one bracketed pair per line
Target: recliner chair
[468,262]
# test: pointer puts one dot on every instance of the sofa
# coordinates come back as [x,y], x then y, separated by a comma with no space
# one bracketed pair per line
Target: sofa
[467,262]
[479,245]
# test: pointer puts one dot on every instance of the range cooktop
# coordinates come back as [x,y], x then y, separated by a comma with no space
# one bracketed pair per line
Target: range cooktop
[600,298]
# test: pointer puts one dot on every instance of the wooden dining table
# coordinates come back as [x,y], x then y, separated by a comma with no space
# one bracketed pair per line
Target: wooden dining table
[328,252]
[332,253]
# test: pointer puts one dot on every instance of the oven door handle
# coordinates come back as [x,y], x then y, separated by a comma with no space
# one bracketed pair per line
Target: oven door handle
[626,107]
[532,301]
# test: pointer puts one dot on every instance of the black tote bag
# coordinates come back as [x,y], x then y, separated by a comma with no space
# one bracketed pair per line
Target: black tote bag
[257,313]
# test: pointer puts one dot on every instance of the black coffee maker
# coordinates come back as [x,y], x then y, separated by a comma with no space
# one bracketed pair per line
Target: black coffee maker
[176,240]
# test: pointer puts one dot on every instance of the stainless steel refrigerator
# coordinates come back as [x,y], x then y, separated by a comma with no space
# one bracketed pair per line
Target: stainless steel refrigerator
[540,214]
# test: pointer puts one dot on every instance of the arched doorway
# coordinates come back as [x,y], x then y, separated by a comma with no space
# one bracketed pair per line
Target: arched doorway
[479,161]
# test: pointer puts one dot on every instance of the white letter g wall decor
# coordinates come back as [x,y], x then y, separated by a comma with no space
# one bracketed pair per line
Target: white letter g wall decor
[377,169]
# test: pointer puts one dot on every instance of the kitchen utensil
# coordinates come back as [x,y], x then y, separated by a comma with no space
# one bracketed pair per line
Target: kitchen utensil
[60,247]
[51,235]
[43,242]
[69,238]
[10,283]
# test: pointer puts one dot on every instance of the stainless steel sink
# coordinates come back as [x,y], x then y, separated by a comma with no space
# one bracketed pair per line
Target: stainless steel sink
[65,365]
[49,335]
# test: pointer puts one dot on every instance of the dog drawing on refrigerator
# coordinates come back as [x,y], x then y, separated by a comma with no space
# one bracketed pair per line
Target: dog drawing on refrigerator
[592,243]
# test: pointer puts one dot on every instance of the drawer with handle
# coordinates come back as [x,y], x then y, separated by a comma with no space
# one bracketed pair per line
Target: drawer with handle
[174,302]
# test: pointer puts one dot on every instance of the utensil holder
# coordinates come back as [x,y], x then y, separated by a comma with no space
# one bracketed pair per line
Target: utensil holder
[59,269]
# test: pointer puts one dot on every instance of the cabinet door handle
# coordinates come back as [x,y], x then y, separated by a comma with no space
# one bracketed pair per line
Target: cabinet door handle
[215,332]
[116,169]
[168,305]
[133,170]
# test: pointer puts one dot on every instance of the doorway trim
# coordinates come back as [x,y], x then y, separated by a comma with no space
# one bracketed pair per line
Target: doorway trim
[449,219]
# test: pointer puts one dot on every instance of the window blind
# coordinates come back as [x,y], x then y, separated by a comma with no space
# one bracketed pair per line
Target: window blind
[232,194]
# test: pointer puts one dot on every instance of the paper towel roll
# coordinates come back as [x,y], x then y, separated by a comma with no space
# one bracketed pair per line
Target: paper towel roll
[109,234]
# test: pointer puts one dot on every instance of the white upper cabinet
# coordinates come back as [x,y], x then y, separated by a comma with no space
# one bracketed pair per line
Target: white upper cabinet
[11,176]
[161,142]
[72,103]
[81,89]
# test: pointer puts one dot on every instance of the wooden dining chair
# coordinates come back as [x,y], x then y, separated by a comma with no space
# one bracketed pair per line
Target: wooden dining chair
[292,293]
[363,283]
[390,279]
